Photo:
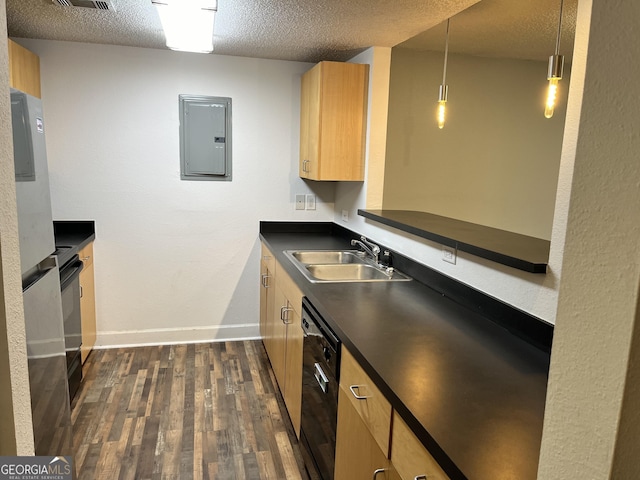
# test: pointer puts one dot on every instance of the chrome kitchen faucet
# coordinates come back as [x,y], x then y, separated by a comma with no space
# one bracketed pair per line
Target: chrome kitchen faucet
[368,247]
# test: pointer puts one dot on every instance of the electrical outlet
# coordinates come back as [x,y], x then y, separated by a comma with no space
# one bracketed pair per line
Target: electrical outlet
[345,215]
[299,202]
[311,201]
[449,254]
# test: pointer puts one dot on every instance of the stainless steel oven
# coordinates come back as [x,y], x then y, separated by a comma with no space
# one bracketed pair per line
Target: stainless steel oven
[320,376]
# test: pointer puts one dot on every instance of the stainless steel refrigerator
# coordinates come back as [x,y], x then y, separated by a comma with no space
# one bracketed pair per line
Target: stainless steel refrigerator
[40,281]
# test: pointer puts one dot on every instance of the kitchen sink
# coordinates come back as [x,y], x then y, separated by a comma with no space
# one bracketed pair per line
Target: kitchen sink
[333,266]
[309,257]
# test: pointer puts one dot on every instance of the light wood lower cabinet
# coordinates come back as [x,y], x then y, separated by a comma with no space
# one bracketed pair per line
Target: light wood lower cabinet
[358,455]
[87,302]
[280,312]
[293,368]
[364,426]
[374,409]
[410,458]
[267,290]
[372,441]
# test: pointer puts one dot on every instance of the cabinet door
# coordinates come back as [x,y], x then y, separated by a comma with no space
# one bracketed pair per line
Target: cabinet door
[358,456]
[87,302]
[267,283]
[277,337]
[293,368]
[310,123]
[332,121]
[24,70]
[410,458]
[342,125]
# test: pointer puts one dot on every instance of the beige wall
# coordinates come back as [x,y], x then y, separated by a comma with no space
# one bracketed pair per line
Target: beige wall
[592,421]
[496,160]
[15,408]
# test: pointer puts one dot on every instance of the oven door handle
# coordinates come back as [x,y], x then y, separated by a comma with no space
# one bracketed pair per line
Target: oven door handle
[321,378]
[70,274]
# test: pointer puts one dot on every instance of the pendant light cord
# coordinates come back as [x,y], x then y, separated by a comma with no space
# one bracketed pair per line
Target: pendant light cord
[446,54]
[559,29]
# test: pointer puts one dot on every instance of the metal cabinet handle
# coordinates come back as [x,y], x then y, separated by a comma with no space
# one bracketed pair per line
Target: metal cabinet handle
[81,292]
[353,389]
[84,259]
[420,477]
[304,166]
[265,280]
[266,257]
[377,471]
[283,314]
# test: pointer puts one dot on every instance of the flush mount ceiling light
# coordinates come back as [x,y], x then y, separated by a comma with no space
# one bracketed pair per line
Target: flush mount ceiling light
[554,74]
[444,88]
[188,24]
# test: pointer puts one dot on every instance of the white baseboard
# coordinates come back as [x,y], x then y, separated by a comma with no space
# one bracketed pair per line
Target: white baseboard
[172,336]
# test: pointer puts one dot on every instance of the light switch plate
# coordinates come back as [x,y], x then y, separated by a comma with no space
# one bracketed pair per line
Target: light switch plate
[345,215]
[300,202]
[311,201]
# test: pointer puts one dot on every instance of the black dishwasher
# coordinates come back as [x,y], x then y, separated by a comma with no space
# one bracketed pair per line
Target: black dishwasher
[320,375]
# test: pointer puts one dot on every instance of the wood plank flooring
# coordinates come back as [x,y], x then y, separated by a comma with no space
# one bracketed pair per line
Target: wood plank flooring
[203,411]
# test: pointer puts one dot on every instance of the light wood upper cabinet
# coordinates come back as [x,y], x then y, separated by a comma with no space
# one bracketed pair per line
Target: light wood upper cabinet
[24,70]
[87,302]
[333,121]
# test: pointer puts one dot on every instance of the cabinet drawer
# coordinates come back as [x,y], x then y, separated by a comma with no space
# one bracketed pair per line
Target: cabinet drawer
[371,405]
[268,259]
[409,457]
[86,255]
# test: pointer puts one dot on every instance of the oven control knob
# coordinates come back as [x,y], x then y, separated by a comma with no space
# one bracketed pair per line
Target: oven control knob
[327,353]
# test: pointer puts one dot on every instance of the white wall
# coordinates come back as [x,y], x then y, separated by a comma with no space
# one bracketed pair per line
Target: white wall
[495,162]
[175,261]
[533,293]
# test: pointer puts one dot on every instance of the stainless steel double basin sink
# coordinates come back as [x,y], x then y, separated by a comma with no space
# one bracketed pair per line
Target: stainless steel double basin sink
[333,266]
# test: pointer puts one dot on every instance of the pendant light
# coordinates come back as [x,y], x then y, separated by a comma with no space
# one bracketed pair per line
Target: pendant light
[444,88]
[554,74]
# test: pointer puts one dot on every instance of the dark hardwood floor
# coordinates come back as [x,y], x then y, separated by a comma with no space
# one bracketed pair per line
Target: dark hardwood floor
[203,411]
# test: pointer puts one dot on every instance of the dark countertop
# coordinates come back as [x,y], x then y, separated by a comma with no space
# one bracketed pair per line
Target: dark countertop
[471,391]
[73,235]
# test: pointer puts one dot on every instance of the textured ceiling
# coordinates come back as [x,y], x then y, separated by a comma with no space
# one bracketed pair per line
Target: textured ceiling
[523,29]
[310,30]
